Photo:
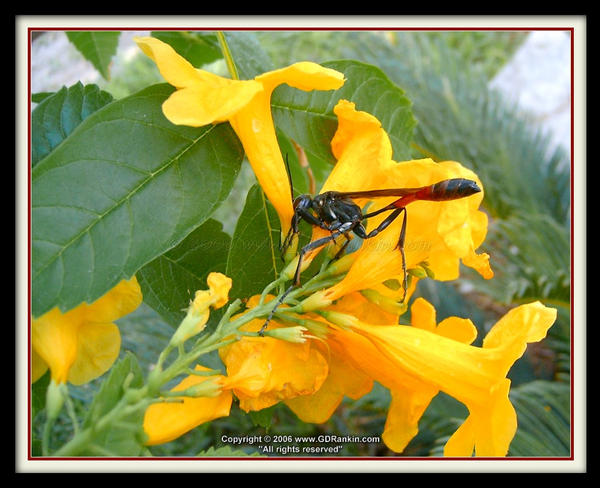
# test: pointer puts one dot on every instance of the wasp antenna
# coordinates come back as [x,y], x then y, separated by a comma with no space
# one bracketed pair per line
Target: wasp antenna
[289,173]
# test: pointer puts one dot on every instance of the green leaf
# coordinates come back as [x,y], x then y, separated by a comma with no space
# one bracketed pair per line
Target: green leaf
[123,188]
[254,259]
[38,394]
[249,57]
[168,283]
[199,48]
[308,118]
[262,418]
[98,47]
[58,114]
[126,437]
[40,96]
[111,390]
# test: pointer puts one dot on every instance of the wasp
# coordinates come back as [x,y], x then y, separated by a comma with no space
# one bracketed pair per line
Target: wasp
[338,213]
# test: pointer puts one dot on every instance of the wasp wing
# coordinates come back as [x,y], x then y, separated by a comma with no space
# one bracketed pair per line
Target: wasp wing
[390,192]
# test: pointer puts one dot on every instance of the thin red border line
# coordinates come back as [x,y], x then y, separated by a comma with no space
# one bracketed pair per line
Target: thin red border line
[302,28]
[29,309]
[572,362]
[570,29]
[341,458]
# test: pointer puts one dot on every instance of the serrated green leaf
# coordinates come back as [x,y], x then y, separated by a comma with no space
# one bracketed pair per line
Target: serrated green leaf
[254,259]
[58,114]
[98,47]
[123,188]
[199,48]
[168,283]
[249,57]
[308,118]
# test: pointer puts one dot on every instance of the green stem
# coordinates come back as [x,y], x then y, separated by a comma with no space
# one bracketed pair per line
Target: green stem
[46,437]
[71,412]
[134,400]
[227,56]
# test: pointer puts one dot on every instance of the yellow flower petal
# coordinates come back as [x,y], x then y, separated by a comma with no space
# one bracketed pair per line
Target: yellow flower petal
[441,233]
[461,330]
[405,411]
[219,285]
[121,300]
[423,315]
[487,431]
[173,67]
[476,376]
[54,339]
[462,442]
[164,422]
[256,130]
[343,379]
[204,98]
[195,107]
[98,347]
[358,138]
[38,366]
[262,371]
[303,75]
[84,338]
[410,396]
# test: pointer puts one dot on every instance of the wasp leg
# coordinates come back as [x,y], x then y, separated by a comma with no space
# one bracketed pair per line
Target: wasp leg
[344,246]
[386,222]
[400,246]
[309,247]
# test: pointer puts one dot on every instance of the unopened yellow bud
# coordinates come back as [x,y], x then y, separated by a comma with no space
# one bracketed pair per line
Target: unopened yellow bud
[341,265]
[290,270]
[193,323]
[342,319]
[385,303]
[289,334]
[199,310]
[212,387]
[317,301]
[290,252]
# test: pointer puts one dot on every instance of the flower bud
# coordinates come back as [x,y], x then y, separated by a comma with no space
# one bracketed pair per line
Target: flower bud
[317,301]
[198,312]
[55,399]
[289,334]
[342,319]
[211,388]
[193,323]
[290,270]
[387,304]
[290,252]
[341,265]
